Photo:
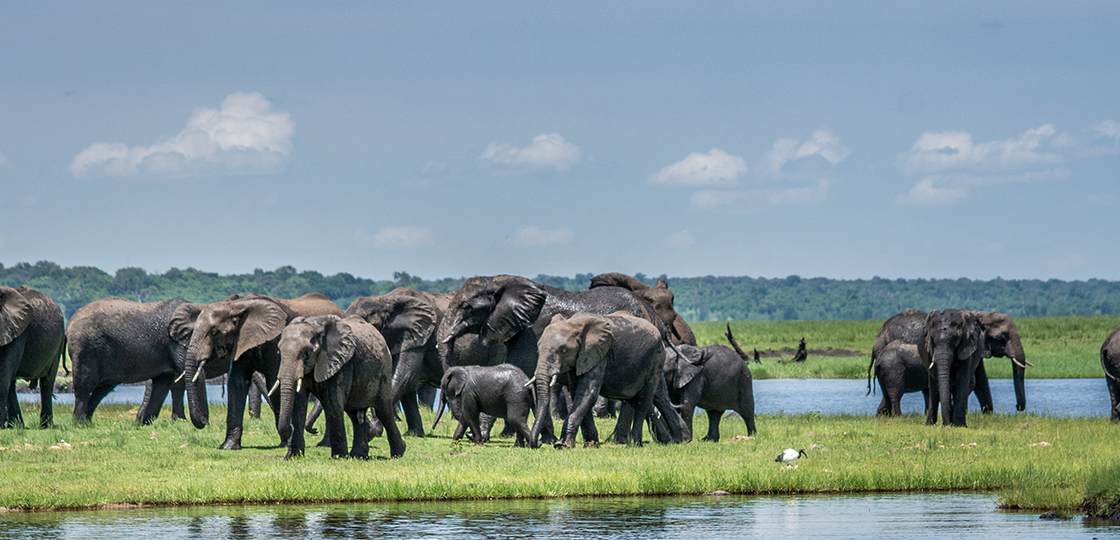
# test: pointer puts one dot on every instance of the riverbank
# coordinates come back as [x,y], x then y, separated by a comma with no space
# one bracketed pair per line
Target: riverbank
[1029,462]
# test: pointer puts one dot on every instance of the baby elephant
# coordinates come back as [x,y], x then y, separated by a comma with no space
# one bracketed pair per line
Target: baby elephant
[499,391]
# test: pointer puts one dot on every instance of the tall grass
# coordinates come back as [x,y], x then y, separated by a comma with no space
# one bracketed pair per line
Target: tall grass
[115,461]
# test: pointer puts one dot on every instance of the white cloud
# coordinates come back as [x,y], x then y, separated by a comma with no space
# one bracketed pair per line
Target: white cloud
[955,150]
[241,137]
[546,150]
[679,240]
[395,238]
[1106,140]
[531,236]
[716,168]
[925,194]
[822,143]
[754,199]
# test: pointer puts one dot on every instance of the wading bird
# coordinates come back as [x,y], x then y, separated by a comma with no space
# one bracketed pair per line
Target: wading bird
[789,455]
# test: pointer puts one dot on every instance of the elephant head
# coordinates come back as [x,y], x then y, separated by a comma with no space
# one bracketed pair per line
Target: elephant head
[15,315]
[407,323]
[684,364]
[496,307]
[223,332]
[181,329]
[659,297]
[568,346]
[451,392]
[1002,338]
[951,346]
[311,349]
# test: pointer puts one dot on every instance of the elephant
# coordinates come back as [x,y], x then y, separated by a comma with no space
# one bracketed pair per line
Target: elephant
[515,311]
[117,341]
[241,335]
[899,370]
[32,341]
[659,297]
[408,320]
[1001,336]
[951,346]
[501,391]
[1110,362]
[346,364]
[618,356]
[714,378]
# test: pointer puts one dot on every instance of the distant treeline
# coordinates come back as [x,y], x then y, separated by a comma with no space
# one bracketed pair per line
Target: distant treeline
[706,298]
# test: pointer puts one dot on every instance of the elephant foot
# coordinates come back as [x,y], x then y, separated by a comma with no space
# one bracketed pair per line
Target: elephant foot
[710,439]
[283,443]
[591,444]
[230,445]
[363,457]
[418,433]
[292,454]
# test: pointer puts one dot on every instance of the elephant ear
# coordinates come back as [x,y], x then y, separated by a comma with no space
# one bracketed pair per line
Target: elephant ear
[617,279]
[406,322]
[925,340]
[595,342]
[456,381]
[519,305]
[339,345]
[694,357]
[181,327]
[263,320]
[15,314]
[973,339]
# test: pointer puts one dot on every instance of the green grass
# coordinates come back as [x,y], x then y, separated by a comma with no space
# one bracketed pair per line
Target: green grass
[171,463]
[1059,347]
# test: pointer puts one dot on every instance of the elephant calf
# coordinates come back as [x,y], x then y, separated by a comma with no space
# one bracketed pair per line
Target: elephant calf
[500,391]
[899,370]
[714,378]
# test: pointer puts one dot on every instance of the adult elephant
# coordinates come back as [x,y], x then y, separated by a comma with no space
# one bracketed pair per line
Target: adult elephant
[347,365]
[1110,362]
[714,378]
[117,341]
[241,335]
[408,320]
[515,311]
[619,356]
[660,298]
[1002,338]
[31,345]
[951,346]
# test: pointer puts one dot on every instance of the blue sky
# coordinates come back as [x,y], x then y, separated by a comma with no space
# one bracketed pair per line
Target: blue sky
[844,140]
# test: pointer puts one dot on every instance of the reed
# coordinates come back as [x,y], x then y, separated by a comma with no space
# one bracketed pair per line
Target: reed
[171,463]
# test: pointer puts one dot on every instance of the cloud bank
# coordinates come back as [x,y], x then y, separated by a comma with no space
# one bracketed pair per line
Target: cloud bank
[548,150]
[243,136]
[823,143]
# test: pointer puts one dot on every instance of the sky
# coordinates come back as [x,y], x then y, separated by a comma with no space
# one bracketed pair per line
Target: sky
[836,139]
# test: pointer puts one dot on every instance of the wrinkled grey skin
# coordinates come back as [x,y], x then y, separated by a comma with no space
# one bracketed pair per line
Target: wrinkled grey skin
[1001,337]
[1110,362]
[951,346]
[241,335]
[31,345]
[658,297]
[117,341]
[408,320]
[714,378]
[346,364]
[618,356]
[499,391]
[899,370]
[515,311]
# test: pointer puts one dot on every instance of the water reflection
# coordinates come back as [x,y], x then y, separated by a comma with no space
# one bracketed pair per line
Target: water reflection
[958,515]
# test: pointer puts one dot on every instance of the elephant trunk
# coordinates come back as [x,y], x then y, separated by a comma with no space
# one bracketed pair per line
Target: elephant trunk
[542,387]
[287,377]
[442,405]
[943,360]
[195,377]
[1018,370]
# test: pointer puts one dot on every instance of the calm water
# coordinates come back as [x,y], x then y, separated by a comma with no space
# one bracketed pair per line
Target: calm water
[1055,397]
[960,515]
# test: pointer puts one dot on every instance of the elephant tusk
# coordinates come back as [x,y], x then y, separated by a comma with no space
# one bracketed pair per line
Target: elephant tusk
[530,382]
[275,385]
[199,372]
[1020,364]
[299,385]
[554,379]
[180,377]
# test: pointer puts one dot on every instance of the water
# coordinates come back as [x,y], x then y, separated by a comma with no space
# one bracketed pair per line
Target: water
[942,515]
[1053,397]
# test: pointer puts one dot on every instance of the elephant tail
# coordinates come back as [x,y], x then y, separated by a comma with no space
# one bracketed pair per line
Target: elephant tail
[1104,365]
[870,389]
[63,353]
[439,413]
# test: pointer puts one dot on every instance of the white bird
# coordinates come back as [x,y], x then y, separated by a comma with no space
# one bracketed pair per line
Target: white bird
[789,455]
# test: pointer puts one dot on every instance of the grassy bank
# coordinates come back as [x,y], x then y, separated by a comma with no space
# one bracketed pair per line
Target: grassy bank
[1029,462]
[1059,347]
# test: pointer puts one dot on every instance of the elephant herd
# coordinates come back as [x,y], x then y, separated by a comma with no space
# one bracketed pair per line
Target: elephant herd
[500,346]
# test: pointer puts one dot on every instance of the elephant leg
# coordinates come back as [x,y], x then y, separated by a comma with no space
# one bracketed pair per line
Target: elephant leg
[622,425]
[587,389]
[383,410]
[237,388]
[471,416]
[412,415]
[154,396]
[643,404]
[15,416]
[487,424]
[884,408]
[460,430]
[1114,394]
[10,358]
[273,403]
[959,399]
[983,390]
[687,410]
[97,395]
[255,394]
[714,418]
[659,428]
[359,449]
[296,442]
[588,428]
[933,401]
[518,417]
[178,389]
[746,410]
[669,413]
